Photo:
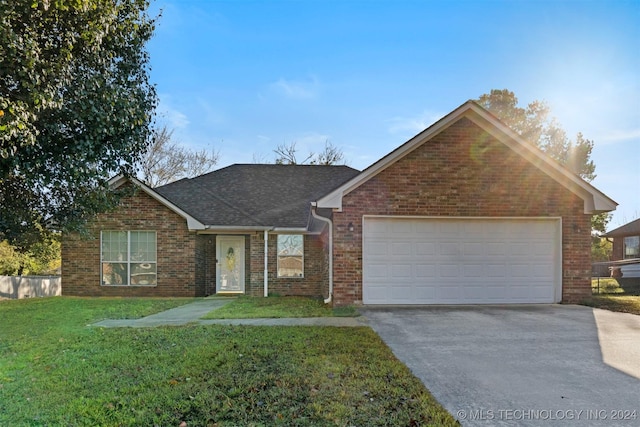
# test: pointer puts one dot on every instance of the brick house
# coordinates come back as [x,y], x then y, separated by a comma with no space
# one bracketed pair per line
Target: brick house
[625,255]
[626,241]
[464,212]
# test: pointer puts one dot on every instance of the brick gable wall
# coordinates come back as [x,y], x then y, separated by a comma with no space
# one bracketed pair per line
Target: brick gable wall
[462,172]
[176,252]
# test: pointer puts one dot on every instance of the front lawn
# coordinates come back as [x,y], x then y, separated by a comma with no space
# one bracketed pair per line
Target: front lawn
[247,307]
[55,370]
[621,303]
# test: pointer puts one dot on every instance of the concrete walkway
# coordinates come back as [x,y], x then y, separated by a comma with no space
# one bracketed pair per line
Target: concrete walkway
[191,314]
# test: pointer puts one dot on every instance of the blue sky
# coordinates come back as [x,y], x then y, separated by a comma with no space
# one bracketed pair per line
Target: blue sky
[243,77]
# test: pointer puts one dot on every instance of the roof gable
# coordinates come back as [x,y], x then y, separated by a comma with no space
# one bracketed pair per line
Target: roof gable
[594,200]
[120,180]
[630,229]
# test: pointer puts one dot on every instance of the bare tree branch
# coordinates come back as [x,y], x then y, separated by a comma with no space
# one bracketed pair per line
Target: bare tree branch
[331,155]
[166,160]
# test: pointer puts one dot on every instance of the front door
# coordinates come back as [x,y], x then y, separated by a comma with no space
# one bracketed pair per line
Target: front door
[230,264]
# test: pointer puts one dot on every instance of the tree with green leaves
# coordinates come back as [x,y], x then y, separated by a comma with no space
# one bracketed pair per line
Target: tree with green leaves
[535,124]
[43,258]
[76,106]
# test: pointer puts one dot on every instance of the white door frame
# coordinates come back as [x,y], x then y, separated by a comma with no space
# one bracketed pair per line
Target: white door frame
[222,283]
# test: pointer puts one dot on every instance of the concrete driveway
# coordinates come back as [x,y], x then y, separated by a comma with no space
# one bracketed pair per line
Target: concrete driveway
[521,365]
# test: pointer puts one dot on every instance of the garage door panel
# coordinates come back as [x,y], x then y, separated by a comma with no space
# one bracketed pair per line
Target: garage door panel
[423,248]
[377,294]
[540,249]
[460,261]
[494,248]
[473,270]
[518,271]
[378,248]
[425,271]
[496,270]
[449,270]
[519,249]
[400,248]
[471,249]
[401,228]
[401,271]
[377,272]
[449,249]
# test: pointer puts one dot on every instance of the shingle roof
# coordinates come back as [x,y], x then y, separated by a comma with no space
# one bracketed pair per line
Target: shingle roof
[252,195]
[630,229]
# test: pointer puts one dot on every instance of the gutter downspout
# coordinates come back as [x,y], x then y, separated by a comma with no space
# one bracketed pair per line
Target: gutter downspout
[266,263]
[328,221]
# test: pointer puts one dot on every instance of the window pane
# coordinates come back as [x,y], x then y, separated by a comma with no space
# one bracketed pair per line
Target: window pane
[114,246]
[290,244]
[143,274]
[290,255]
[632,247]
[290,266]
[115,273]
[143,246]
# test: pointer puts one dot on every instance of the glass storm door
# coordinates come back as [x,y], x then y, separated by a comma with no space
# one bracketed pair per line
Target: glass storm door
[230,264]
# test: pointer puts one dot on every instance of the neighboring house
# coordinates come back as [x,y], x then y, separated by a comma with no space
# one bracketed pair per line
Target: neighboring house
[626,254]
[464,212]
[626,241]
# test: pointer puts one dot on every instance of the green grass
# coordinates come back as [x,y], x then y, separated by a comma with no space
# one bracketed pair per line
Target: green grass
[621,303]
[246,307]
[57,371]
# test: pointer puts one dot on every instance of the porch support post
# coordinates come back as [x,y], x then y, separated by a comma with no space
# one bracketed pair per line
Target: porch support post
[266,263]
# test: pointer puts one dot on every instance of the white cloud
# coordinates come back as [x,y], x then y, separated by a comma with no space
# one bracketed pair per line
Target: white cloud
[312,140]
[412,125]
[621,135]
[296,89]
[174,118]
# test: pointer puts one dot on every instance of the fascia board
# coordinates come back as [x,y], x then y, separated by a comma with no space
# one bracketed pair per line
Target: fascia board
[192,223]
[332,200]
[594,200]
[290,230]
[241,228]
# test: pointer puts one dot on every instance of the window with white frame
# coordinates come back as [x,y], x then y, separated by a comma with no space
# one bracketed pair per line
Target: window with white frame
[632,247]
[128,258]
[290,255]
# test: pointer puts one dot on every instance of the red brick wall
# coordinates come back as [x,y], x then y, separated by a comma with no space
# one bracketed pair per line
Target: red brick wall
[206,263]
[315,281]
[617,250]
[176,252]
[462,172]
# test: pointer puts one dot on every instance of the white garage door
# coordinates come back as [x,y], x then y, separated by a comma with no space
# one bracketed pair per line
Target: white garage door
[461,261]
